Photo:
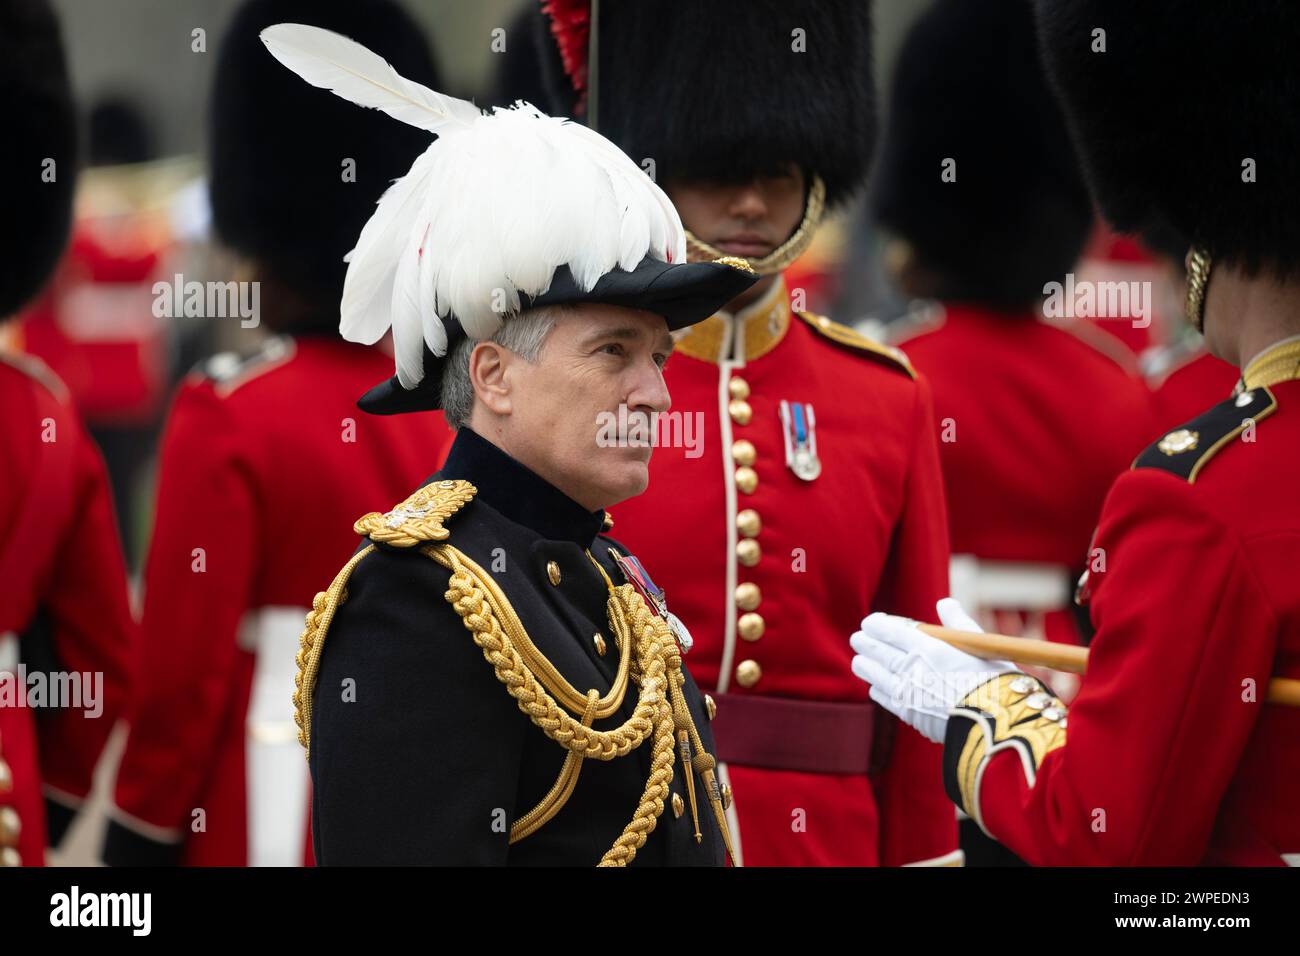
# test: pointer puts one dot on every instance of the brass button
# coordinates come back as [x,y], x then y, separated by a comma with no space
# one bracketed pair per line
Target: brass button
[751,626]
[747,673]
[9,857]
[743,452]
[600,644]
[553,572]
[748,552]
[749,523]
[746,480]
[711,706]
[679,805]
[10,826]
[6,778]
[740,411]
[738,388]
[748,595]
[1177,442]
[726,796]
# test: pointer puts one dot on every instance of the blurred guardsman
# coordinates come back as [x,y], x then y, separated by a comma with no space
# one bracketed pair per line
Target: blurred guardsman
[1036,417]
[802,467]
[65,617]
[490,680]
[1173,754]
[265,461]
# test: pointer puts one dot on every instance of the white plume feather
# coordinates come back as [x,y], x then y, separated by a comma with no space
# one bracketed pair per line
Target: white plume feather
[332,62]
[487,213]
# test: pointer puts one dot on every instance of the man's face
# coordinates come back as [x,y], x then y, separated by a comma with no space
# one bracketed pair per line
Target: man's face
[743,219]
[596,358]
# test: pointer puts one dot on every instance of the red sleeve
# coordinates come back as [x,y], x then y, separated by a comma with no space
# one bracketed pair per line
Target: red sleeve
[917,821]
[1158,729]
[197,585]
[92,629]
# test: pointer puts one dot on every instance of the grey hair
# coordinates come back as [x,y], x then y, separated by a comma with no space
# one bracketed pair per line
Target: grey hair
[525,334]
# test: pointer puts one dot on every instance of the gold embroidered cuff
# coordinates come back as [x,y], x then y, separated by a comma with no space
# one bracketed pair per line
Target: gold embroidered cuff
[1012,711]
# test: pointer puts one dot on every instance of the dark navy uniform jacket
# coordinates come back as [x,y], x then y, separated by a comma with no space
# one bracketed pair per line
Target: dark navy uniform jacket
[426,758]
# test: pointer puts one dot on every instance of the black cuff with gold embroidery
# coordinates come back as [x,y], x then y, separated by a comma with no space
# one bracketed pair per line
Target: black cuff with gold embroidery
[1012,711]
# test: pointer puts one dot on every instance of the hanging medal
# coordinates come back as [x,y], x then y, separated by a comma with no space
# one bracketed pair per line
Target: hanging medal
[799,426]
[636,575]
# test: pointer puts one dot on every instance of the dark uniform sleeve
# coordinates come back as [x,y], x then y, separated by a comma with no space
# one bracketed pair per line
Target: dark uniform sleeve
[416,746]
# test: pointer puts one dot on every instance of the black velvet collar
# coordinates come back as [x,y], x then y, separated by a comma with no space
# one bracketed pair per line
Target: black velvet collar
[520,494]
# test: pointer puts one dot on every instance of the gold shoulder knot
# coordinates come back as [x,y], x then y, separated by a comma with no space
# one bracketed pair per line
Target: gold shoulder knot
[420,517]
[854,339]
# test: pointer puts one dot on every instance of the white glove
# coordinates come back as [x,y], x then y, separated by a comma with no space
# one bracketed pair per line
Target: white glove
[917,677]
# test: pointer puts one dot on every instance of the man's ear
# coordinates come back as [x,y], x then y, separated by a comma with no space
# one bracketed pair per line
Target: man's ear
[488,364]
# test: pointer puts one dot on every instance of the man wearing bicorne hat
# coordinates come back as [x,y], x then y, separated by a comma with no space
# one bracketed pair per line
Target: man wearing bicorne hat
[491,680]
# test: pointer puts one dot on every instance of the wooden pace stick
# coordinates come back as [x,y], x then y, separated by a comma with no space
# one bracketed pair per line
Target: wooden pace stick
[1066,657]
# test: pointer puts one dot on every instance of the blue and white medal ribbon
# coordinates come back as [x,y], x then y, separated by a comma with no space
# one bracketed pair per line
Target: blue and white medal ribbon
[799,426]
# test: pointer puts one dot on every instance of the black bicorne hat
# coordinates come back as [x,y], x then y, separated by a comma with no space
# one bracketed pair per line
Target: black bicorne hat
[683,294]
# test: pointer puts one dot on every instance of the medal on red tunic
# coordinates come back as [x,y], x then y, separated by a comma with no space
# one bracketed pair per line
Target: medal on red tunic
[799,426]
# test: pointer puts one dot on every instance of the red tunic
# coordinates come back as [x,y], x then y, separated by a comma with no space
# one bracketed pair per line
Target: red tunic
[63,585]
[869,533]
[1035,421]
[1189,386]
[264,468]
[1170,757]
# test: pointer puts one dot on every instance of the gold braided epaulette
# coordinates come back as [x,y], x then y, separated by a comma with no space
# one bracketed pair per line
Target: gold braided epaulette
[417,519]
[420,517]
[856,340]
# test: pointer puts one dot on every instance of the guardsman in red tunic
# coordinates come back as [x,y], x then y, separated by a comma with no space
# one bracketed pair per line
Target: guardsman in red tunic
[65,617]
[797,479]
[1172,753]
[264,463]
[1011,386]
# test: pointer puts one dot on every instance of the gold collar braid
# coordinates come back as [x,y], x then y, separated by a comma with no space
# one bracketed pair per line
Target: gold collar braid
[1280,363]
[780,258]
[649,657]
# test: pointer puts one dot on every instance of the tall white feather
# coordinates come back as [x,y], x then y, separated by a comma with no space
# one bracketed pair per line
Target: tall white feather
[486,214]
[332,62]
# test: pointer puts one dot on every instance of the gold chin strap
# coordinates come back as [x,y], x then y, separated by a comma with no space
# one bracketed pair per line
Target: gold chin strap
[779,259]
[1199,265]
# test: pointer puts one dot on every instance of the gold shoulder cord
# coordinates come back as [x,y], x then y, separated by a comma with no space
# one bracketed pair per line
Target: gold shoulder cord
[649,657]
